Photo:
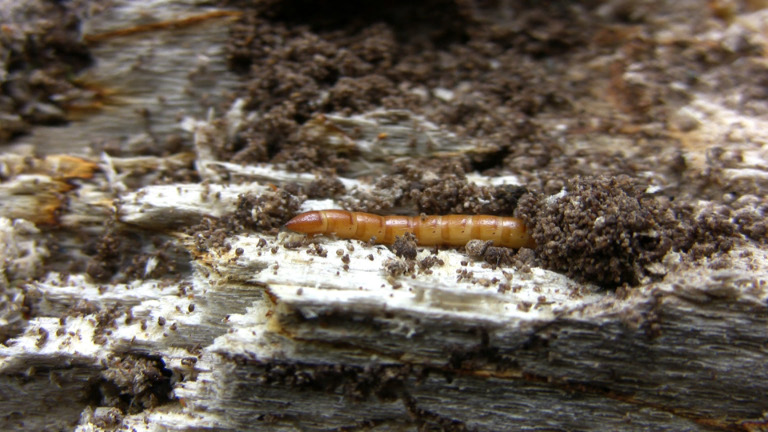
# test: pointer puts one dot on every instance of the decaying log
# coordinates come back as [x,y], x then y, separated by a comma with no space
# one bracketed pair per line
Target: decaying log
[220,320]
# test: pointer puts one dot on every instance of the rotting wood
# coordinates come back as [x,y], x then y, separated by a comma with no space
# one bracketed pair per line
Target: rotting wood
[265,330]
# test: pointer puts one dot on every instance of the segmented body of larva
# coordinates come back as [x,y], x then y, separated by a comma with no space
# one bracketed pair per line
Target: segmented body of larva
[448,230]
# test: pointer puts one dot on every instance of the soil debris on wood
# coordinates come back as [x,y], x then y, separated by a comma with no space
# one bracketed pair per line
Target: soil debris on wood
[147,269]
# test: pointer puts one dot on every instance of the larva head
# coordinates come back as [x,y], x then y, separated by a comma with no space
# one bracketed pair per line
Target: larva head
[307,223]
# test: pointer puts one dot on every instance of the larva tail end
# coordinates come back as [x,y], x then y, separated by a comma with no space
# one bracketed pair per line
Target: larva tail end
[307,223]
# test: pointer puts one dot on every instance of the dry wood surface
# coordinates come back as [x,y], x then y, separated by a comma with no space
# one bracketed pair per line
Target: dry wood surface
[151,151]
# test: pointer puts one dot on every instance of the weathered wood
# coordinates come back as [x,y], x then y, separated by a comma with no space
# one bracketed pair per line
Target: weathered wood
[265,330]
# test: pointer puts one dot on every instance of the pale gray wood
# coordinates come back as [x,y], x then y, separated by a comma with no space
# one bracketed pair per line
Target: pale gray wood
[277,338]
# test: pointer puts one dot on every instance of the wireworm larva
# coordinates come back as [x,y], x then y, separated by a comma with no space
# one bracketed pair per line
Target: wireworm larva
[448,230]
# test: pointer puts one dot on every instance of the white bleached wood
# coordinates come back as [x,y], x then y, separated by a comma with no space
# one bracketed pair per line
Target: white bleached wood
[265,333]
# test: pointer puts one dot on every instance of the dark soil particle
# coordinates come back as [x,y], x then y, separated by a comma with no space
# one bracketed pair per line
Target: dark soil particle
[524,259]
[120,255]
[405,246]
[325,187]
[266,212]
[750,215]
[437,187]
[303,59]
[42,48]
[511,68]
[395,267]
[430,261]
[134,383]
[607,229]
[500,256]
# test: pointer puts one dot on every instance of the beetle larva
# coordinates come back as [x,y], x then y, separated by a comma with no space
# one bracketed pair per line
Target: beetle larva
[448,230]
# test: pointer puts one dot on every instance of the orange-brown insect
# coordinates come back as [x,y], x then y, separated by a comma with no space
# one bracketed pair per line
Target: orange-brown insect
[448,230]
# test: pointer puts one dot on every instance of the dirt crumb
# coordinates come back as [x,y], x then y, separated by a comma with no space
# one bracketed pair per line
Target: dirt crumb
[134,383]
[750,213]
[121,254]
[304,59]
[607,230]
[493,255]
[437,187]
[705,229]
[430,261]
[525,259]
[42,49]
[326,186]
[397,267]
[405,246]
[266,212]
[603,229]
